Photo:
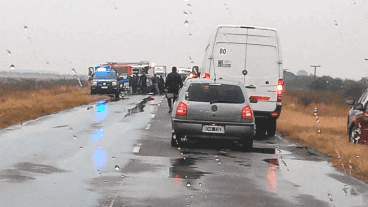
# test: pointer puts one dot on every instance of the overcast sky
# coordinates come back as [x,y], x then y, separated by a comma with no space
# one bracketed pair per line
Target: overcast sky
[65,34]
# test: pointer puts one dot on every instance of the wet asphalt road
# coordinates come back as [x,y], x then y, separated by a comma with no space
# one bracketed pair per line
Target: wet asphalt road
[118,153]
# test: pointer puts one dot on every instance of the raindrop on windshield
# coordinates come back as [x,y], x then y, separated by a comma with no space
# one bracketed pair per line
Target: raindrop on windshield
[190,6]
[113,158]
[122,176]
[105,181]
[188,205]
[179,148]
[12,67]
[223,170]
[217,159]
[25,28]
[185,13]
[186,23]
[117,167]
[80,147]
[200,184]
[219,163]
[71,129]
[188,184]
[191,196]
[75,137]
[9,53]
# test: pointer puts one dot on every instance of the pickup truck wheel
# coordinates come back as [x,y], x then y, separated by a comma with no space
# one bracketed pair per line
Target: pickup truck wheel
[352,135]
[271,127]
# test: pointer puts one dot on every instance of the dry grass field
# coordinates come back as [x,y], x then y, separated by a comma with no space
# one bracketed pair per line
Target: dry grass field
[299,123]
[23,100]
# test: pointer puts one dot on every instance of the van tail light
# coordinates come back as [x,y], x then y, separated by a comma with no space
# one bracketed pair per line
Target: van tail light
[247,113]
[277,112]
[280,89]
[206,76]
[182,109]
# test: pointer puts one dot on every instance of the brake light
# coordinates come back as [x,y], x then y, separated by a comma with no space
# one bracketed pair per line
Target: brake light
[182,109]
[274,114]
[246,113]
[206,76]
[280,89]
[260,98]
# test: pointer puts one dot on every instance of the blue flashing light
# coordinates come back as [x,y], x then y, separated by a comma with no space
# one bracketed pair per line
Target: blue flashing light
[99,159]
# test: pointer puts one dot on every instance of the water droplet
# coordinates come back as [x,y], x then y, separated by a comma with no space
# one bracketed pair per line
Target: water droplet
[202,191]
[80,147]
[75,137]
[71,129]
[185,13]
[217,159]
[113,158]
[200,184]
[316,117]
[219,163]
[186,176]
[105,181]
[188,184]
[319,131]
[190,6]
[184,158]
[12,67]
[223,170]
[25,28]
[188,205]
[117,167]
[179,148]
[191,196]
[122,176]
[182,153]
[186,23]
[357,156]
[9,53]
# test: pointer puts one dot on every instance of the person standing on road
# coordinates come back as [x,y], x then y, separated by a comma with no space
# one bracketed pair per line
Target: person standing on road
[143,83]
[133,82]
[173,84]
[155,83]
[161,85]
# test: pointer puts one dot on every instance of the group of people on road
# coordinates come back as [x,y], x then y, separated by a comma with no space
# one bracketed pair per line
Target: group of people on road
[173,83]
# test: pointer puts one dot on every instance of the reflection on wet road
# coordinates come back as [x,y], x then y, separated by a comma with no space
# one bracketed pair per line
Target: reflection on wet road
[119,154]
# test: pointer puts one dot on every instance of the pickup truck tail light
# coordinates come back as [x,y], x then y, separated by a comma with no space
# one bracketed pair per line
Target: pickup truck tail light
[182,109]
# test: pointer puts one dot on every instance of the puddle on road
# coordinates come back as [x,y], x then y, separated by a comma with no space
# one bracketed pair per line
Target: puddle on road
[183,169]
[24,170]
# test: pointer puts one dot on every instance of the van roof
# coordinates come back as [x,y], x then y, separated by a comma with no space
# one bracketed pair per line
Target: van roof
[246,26]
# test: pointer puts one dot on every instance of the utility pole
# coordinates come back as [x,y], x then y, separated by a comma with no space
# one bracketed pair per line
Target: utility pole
[315,67]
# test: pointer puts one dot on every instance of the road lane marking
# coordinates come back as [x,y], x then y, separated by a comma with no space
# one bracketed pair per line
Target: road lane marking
[136,148]
[148,126]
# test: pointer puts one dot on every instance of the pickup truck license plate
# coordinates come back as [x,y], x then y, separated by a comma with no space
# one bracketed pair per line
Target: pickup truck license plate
[213,129]
[104,87]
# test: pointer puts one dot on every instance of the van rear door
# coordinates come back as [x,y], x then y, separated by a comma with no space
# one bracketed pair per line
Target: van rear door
[254,50]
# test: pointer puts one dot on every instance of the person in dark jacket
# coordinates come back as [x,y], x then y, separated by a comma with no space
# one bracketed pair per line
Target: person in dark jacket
[133,82]
[143,83]
[161,85]
[173,84]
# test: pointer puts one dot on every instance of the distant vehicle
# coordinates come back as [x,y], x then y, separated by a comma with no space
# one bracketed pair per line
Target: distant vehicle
[105,81]
[183,72]
[160,70]
[208,109]
[251,55]
[357,126]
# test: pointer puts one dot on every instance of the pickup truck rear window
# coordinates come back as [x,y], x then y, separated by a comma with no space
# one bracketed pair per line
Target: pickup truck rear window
[220,93]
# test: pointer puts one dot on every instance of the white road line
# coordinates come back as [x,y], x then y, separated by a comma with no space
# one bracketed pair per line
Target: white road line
[148,126]
[136,148]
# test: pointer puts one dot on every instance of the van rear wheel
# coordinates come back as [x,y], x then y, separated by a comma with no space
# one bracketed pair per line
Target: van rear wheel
[271,127]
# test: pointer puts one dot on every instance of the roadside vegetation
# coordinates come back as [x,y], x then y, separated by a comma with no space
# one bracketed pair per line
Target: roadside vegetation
[326,130]
[26,99]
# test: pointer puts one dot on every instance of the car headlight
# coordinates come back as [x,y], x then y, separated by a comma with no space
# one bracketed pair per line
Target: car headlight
[94,83]
[114,83]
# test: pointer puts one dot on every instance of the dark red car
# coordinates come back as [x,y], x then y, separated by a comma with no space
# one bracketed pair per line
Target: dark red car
[358,120]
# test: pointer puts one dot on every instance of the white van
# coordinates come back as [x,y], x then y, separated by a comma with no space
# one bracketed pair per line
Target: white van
[251,55]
